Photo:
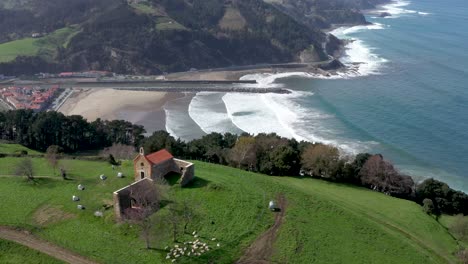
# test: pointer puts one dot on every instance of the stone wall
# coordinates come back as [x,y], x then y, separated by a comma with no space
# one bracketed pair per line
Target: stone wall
[162,169]
[187,170]
[122,199]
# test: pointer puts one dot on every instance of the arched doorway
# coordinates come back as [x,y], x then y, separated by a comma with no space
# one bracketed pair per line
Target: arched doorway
[142,175]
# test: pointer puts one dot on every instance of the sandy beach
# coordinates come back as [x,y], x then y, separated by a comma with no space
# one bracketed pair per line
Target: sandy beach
[147,107]
[139,107]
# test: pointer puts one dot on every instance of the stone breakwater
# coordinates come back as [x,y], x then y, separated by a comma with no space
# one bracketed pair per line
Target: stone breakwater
[208,89]
[176,86]
[180,86]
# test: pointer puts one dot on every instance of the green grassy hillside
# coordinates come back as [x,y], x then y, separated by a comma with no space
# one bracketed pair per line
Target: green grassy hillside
[324,222]
[16,149]
[45,47]
[15,253]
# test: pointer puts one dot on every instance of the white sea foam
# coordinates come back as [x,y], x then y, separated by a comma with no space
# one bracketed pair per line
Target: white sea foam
[281,114]
[396,9]
[344,31]
[424,13]
[207,110]
[360,59]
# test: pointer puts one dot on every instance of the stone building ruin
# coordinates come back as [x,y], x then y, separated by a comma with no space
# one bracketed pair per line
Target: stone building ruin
[147,170]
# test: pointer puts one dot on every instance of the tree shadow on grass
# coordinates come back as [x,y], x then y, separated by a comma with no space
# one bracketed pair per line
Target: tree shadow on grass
[160,250]
[197,183]
[44,182]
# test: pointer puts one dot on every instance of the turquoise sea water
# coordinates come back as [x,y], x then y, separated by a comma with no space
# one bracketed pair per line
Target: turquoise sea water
[407,99]
[417,108]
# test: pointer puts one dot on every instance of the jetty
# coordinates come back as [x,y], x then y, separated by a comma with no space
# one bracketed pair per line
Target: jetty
[190,86]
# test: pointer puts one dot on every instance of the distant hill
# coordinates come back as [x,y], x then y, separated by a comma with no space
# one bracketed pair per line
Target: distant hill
[327,13]
[154,36]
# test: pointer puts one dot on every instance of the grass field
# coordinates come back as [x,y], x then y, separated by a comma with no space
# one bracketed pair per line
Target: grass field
[44,47]
[12,253]
[324,223]
[15,149]
[23,47]
[166,23]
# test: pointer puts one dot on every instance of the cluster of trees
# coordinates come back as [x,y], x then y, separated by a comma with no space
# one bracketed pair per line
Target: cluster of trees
[273,155]
[437,198]
[71,133]
[264,153]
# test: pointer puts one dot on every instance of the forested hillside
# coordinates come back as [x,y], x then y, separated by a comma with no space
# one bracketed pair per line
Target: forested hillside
[326,13]
[154,36]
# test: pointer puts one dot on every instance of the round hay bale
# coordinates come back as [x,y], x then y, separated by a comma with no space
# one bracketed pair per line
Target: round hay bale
[98,214]
[120,175]
[81,187]
[80,207]
[103,177]
[75,198]
[272,205]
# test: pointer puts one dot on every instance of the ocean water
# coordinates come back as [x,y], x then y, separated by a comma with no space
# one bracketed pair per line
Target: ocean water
[405,95]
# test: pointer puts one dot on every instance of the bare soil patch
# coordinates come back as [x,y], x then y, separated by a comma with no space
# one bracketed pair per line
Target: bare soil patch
[261,249]
[46,215]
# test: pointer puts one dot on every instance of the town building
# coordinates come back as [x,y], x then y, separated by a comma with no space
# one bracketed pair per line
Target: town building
[34,98]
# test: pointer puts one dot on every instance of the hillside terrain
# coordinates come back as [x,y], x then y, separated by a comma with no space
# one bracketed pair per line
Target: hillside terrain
[321,222]
[325,14]
[155,36]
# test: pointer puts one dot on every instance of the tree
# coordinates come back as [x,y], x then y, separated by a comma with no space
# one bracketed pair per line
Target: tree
[351,170]
[188,212]
[157,141]
[175,218]
[25,168]
[112,160]
[380,175]
[146,200]
[447,200]
[120,151]
[52,156]
[244,152]
[428,207]
[322,161]
[432,189]
[63,173]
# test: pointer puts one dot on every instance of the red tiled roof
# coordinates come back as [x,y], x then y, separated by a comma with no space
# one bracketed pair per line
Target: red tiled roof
[160,156]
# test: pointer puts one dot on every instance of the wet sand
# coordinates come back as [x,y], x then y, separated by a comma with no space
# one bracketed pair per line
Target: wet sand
[139,107]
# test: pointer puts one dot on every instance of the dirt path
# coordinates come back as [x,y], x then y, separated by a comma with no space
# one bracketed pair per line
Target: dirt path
[27,239]
[262,248]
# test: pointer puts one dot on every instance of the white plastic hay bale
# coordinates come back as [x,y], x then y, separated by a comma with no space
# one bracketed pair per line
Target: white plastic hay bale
[272,205]
[81,187]
[98,214]
[103,177]
[80,207]
[120,175]
[75,198]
